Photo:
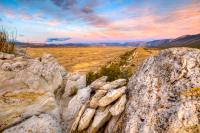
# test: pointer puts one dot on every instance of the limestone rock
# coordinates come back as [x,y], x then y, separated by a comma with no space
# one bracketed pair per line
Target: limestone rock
[114,84]
[111,96]
[43,123]
[86,119]
[74,82]
[69,114]
[111,124]
[157,99]
[101,117]
[94,102]
[80,113]
[29,90]
[119,106]
[98,83]
[6,56]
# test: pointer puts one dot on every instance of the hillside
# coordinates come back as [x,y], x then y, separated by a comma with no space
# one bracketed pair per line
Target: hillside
[182,41]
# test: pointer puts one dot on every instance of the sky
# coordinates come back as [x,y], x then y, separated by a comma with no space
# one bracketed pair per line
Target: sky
[80,21]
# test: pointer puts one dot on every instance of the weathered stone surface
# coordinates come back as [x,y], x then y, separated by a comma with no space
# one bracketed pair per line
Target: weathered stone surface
[69,114]
[101,117]
[157,102]
[74,82]
[119,106]
[98,83]
[29,89]
[111,96]
[6,56]
[113,85]
[86,119]
[94,102]
[80,113]
[43,123]
[111,124]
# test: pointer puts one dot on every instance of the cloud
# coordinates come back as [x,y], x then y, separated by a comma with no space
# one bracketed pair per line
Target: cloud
[58,39]
[86,13]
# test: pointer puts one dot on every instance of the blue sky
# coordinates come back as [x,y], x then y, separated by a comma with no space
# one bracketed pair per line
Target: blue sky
[62,21]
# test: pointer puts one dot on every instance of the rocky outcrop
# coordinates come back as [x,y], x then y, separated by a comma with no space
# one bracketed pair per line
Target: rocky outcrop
[38,95]
[163,95]
[27,88]
[101,107]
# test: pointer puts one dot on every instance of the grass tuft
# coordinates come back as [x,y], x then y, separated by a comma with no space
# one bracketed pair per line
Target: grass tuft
[7,42]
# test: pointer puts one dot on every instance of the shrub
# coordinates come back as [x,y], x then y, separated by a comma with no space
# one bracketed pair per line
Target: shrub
[7,43]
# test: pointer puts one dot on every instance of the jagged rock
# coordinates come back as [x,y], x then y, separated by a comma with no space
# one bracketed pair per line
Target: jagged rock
[28,91]
[157,100]
[6,66]
[6,56]
[86,119]
[119,106]
[94,102]
[111,96]
[113,85]
[111,124]
[101,117]
[80,113]
[69,114]
[43,123]
[98,83]
[18,65]
[74,81]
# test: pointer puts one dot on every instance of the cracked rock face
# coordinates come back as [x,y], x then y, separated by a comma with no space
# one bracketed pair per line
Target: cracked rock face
[27,88]
[163,95]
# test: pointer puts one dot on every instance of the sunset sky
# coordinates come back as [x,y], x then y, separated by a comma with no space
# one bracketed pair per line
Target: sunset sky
[62,21]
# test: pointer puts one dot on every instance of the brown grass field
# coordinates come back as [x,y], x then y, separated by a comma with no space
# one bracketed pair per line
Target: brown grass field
[82,59]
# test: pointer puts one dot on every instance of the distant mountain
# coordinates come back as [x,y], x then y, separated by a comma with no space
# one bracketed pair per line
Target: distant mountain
[182,41]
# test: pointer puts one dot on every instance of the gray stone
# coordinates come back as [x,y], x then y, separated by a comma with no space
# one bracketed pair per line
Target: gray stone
[158,101]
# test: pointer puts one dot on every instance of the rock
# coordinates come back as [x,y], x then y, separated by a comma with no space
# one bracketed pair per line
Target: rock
[101,117]
[6,56]
[94,102]
[113,85]
[28,91]
[43,123]
[6,67]
[18,65]
[80,113]
[111,96]
[111,124]
[157,100]
[74,82]
[86,119]
[119,106]
[98,83]
[74,106]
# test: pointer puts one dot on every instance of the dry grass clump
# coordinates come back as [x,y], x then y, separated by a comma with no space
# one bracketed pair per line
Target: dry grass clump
[7,42]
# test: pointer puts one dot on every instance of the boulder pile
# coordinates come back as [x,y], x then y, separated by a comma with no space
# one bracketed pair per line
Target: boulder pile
[108,100]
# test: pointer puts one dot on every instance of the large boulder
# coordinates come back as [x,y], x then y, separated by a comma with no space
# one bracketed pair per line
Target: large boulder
[27,88]
[163,95]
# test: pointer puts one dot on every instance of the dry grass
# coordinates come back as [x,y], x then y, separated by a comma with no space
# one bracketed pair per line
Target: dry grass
[82,59]
[86,59]
[191,92]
